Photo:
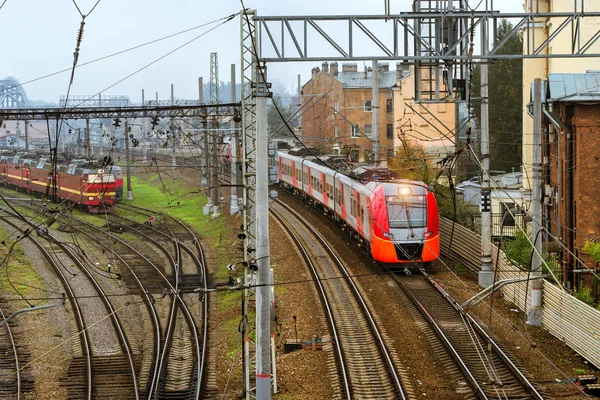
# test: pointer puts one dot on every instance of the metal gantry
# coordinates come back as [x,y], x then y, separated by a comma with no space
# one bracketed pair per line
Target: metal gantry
[227,109]
[437,36]
[96,100]
[248,101]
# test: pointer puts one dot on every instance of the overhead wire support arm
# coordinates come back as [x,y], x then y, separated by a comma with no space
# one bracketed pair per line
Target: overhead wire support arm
[223,109]
[316,31]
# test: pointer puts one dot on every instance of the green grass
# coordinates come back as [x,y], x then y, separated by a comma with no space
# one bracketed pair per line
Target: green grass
[18,269]
[230,299]
[171,197]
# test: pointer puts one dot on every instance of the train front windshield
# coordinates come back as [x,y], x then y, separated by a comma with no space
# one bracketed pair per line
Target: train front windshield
[407,211]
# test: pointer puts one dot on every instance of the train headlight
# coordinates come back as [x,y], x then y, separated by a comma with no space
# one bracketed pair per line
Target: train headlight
[404,190]
[91,198]
[388,235]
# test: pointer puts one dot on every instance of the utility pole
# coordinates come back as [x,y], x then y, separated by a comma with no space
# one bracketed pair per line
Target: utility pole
[486,275]
[234,145]
[88,148]
[172,129]
[78,141]
[375,112]
[127,166]
[214,99]
[26,135]
[534,313]
[263,306]
[299,107]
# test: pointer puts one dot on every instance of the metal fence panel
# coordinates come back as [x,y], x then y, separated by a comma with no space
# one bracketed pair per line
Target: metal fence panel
[565,317]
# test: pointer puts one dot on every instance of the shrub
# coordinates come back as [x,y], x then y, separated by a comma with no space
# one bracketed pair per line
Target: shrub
[519,250]
[584,294]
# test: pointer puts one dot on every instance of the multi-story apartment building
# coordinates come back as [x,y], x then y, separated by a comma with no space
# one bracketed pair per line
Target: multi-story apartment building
[571,146]
[338,113]
[534,36]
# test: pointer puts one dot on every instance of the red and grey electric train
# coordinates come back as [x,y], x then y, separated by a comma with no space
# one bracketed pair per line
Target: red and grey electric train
[398,218]
[81,182]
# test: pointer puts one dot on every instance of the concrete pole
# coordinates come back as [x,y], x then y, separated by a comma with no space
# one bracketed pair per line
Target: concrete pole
[144,119]
[375,112]
[299,107]
[78,142]
[88,148]
[234,145]
[486,275]
[214,176]
[172,129]
[127,166]
[26,135]
[263,309]
[534,313]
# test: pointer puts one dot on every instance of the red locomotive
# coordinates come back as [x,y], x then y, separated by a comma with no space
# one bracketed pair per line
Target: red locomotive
[80,182]
[397,218]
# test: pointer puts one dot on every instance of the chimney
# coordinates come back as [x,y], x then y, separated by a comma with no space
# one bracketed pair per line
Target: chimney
[350,67]
[314,72]
[384,67]
[325,67]
[334,68]
[399,72]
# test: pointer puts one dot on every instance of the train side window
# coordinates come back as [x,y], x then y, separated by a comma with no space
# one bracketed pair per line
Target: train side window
[352,207]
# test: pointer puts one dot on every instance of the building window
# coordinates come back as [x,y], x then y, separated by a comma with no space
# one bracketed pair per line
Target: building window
[390,153]
[368,107]
[336,131]
[336,106]
[390,131]
[354,131]
[389,106]
[368,130]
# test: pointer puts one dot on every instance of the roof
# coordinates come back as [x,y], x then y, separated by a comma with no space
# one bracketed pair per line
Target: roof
[387,79]
[574,87]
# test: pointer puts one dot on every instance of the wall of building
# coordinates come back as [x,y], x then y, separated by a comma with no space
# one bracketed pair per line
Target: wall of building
[430,124]
[324,128]
[582,120]
[540,68]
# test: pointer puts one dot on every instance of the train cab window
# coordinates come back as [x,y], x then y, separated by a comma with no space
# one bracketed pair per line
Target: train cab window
[407,211]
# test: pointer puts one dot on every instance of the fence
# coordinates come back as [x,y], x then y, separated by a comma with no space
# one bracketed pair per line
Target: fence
[565,317]
[507,228]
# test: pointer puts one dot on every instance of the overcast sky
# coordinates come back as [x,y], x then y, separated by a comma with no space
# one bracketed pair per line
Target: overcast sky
[39,36]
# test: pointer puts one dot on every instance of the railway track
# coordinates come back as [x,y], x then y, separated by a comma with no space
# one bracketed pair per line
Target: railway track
[485,367]
[367,368]
[181,350]
[90,375]
[14,382]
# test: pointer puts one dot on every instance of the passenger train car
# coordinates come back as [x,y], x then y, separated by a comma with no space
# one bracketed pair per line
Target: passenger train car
[397,218]
[80,182]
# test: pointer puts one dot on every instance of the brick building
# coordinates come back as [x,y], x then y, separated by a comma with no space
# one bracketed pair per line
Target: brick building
[338,110]
[338,113]
[571,147]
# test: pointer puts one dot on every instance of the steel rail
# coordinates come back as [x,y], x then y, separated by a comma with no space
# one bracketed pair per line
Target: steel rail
[330,318]
[149,304]
[515,370]
[174,292]
[15,353]
[200,262]
[113,312]
[85,342]
[381,344]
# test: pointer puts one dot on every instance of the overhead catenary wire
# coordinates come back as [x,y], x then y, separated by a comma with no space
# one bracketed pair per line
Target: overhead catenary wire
[119,52]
